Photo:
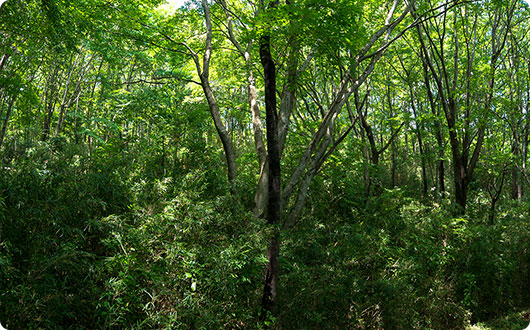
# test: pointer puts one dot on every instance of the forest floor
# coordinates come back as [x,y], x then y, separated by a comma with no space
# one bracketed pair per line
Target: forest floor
[513,321]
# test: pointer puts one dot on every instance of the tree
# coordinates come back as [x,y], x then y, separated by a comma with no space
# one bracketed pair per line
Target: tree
[466,128]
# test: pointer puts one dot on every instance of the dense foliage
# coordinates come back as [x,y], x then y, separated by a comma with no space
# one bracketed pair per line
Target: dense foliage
[134,164]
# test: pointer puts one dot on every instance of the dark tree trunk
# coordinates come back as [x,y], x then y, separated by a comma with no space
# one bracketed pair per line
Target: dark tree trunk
[47,123]
[441,168]
[492,212]
[268,303]
[268,300]
[6,119]
[524,156]
[462,171]
[394,165]
[50,101]
[516,185]
[495,193]
[460,191]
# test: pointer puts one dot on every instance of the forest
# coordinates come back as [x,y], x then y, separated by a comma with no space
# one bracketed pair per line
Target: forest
[271,164]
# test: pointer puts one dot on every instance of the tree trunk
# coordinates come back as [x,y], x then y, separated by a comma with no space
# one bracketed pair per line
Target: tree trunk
[440,166]
[394,165]
[76,120]
[204,74]
[64,105]
[495,194]
[261,195]
[3,61]
[516,184]
[268,303]
[262,191]
[50,101]
[524,157]
[47,121]
[460,189]
[221,131]
[6,119]
[419,128]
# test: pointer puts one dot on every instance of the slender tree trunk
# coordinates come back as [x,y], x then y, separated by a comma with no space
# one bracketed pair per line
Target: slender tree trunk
[440,165]
[419,128]
[524,156]
[393,143]
[3,61]
[6,119]
[76,120]
[492,212]
[48,120]
[516,192]
[262,191]
[221,131]
[423,167]
[437,127]
[394,165]
[204,74]
[51,100]
[370,150]
[91,102]
[367,165]
[63,106]
[495,194]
